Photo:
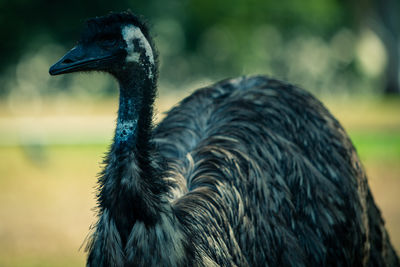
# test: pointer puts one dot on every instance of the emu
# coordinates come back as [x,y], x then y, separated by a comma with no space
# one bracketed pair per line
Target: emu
[249,171]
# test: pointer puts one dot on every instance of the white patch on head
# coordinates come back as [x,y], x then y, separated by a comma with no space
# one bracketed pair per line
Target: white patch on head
[131,32]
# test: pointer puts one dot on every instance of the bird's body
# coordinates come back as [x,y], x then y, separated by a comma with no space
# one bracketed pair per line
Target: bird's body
[275,171]
[247,172]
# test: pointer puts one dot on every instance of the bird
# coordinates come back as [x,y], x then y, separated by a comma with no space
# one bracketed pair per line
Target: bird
[249,171]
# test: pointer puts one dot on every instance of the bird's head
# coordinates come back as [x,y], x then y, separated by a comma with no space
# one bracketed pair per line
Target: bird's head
[118,43]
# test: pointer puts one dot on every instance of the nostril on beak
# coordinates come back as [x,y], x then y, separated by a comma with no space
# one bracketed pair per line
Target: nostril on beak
[67,61]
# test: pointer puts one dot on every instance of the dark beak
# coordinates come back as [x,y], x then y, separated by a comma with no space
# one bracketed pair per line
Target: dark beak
[80,58]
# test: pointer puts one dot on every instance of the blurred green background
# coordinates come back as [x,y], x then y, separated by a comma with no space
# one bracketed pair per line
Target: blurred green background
[54,130]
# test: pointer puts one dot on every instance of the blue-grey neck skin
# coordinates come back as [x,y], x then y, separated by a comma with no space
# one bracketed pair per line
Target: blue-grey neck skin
[135,108]
[128,117]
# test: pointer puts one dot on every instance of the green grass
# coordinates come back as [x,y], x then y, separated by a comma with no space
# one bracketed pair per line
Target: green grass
[380,146]
[47,191]
[46,201]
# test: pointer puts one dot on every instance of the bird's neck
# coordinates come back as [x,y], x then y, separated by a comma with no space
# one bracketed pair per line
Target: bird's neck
[131,186]
[134,114]
[137,225]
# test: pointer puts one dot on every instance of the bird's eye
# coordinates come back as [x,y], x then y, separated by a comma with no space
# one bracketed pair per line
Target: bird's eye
[108,41]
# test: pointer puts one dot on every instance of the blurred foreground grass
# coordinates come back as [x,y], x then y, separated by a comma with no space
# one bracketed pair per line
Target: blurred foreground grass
[50,159]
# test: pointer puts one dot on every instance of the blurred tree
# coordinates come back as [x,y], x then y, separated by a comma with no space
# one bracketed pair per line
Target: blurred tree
[23,22]
[383,17]
[207,33]
[388,14]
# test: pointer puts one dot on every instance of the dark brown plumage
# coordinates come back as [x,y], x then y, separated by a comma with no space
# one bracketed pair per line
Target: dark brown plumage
[246,172]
